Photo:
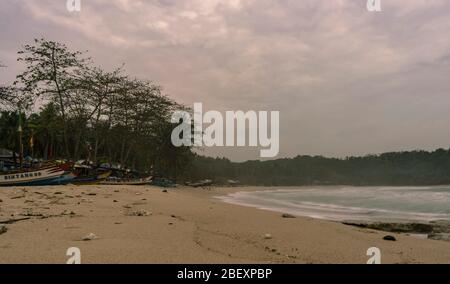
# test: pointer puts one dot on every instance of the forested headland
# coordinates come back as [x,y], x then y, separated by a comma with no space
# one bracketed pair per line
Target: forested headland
[397,168]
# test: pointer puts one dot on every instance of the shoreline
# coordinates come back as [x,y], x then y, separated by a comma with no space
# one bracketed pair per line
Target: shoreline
[436,229]
[144,224]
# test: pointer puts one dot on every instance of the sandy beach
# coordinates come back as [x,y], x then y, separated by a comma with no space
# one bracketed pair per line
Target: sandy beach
[147,225]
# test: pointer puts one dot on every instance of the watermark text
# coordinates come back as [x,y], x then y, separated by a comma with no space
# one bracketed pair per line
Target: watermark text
[236,129]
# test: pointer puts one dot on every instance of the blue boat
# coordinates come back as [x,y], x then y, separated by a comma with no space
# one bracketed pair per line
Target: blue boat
[63,180]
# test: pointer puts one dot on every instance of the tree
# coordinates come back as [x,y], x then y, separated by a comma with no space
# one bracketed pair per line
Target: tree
[51,72]
[11,98]
[4,93]
[47,132]
[8,130]
[4,97]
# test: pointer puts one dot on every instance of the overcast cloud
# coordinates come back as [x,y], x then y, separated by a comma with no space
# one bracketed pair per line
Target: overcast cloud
[346,81]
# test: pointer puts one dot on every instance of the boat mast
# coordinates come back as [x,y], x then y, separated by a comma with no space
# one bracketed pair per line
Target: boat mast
[20,130]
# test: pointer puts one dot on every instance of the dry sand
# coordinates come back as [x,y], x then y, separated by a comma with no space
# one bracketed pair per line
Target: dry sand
[181,226]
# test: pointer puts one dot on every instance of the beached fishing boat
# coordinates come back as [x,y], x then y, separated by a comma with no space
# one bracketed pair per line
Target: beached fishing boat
[32,177]
[117,181]
[202,183]
[90,180]
[163,182]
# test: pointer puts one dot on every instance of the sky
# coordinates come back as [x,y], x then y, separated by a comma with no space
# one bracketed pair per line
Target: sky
[346,81]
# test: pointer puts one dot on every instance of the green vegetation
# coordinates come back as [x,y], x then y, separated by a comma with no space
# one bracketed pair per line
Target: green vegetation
[402,168]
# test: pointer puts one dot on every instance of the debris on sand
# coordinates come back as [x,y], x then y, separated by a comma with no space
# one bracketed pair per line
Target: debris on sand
[13,220]
[177,217]
[3,229]
[165,191]
[389,238]
[267,236]
[18,197]
[90,237]
[30,213]
[288,216]
[67,212]
[140,213]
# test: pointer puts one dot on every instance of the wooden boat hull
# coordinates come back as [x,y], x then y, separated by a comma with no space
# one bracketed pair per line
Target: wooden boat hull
[32,177]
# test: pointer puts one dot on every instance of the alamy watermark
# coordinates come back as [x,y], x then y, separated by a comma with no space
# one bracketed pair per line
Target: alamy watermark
[74,254]
[73,5]
[375,255]
[374,5]
[192,131]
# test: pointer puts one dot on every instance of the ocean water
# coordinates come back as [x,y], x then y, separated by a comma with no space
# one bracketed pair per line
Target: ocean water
[346,203]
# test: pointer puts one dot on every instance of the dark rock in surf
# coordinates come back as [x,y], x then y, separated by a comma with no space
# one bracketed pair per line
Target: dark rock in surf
[390,238]
[416,228]
[288,216]
[3,229]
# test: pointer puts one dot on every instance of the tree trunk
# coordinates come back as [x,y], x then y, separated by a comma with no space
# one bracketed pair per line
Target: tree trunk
[61,105]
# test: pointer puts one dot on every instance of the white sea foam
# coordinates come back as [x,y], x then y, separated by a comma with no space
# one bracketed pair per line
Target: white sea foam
[353,203]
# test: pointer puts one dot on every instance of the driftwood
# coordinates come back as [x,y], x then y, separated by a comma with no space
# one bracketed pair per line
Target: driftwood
[12,221]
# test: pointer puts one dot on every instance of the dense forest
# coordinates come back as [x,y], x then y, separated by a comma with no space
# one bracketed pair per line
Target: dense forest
[67,108]
[401,168]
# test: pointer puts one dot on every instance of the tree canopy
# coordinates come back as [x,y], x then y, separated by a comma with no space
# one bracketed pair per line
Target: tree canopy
[75,110]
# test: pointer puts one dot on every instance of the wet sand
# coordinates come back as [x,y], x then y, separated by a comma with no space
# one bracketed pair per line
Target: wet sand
[135,224]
